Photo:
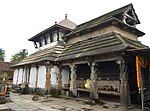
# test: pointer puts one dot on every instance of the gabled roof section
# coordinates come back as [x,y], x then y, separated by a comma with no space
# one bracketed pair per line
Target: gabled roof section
[54,27]
[106,17]
[107,43]
[49,54]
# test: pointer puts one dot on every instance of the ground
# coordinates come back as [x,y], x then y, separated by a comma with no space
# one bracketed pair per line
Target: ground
[25,103]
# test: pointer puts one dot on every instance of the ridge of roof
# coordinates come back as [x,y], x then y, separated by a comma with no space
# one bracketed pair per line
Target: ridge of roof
[109,14]
[105,17]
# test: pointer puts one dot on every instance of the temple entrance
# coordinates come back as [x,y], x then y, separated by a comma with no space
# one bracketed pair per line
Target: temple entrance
[131,69]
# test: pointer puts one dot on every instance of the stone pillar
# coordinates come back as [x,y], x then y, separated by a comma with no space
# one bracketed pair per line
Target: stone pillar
[28,74]
[93,87]
[59,79]
[73,82]
[124,85]
[17,76]
[25,78]
[37,73]
[48,78]
[23,75]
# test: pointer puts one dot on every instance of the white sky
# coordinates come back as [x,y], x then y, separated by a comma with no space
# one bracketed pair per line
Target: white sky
[22,19]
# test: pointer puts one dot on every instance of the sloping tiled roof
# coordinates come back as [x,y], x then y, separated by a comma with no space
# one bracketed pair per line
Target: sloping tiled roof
[103,18]
[5,66]
[50,54]
[109,42]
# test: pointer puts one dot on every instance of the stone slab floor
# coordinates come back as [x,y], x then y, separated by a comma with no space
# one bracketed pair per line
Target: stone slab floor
[25,103]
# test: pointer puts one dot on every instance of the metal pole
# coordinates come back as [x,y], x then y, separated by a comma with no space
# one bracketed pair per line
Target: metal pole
[142,92]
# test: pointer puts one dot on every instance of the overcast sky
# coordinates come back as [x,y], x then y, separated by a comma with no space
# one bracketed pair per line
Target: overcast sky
[22,19]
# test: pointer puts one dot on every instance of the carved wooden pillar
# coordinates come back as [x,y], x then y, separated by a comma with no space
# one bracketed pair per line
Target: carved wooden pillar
[48,78]
[73,82]
[59,79]
[93,77]
[37,73]
[124,84]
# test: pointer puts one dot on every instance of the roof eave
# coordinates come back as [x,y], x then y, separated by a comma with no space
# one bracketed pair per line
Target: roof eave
[34,38]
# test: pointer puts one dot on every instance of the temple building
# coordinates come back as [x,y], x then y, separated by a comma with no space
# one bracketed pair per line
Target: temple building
[105,50]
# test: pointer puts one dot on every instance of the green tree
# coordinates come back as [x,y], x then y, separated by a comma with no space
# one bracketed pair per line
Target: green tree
[2,54]
[19,56]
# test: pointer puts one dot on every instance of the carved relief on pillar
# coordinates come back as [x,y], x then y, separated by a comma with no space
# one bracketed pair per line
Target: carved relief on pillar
[48,77]
[73,82]
[93,77]
[59,78]
[124,85]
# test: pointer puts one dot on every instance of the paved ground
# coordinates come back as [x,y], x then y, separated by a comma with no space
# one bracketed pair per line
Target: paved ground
[25,103]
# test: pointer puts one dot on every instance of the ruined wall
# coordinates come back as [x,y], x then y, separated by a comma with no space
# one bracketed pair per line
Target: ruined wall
[100,32]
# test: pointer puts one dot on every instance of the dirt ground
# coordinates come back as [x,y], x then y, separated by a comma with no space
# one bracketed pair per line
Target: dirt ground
[25,103]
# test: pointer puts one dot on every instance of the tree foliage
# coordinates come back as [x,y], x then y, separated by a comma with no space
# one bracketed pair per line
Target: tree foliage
[19,56]
[2,54]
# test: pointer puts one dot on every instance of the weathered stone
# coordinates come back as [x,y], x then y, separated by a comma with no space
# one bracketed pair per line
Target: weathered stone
[48,78]
[73,82]
[124,85]
[59,79]
[93,87]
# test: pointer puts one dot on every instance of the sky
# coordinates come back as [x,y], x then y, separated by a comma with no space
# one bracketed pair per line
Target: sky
[22,19]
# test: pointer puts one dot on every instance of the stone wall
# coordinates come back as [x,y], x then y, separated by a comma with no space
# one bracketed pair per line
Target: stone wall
[100,32]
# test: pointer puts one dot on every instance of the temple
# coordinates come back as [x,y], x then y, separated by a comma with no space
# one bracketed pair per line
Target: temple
[105,50]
